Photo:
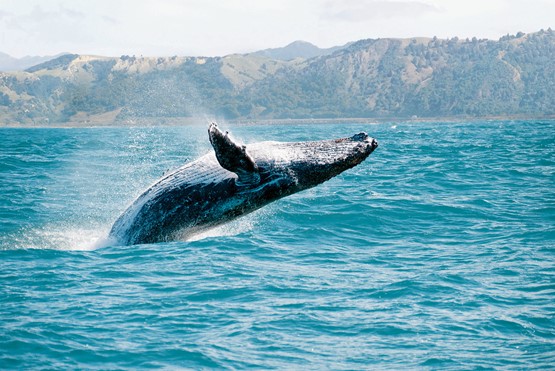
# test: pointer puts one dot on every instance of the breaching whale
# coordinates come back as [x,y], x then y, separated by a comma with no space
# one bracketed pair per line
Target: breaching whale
[231,181]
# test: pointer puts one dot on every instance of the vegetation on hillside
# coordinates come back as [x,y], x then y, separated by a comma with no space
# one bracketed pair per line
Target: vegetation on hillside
[375,78]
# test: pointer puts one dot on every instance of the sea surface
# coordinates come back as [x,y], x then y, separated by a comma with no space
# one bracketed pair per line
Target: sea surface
[437,252]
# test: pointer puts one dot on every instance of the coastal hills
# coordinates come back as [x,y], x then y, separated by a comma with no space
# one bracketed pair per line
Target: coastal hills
[9,63]
[374,78]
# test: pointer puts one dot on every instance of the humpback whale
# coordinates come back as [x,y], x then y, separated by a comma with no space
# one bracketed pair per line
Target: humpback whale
[231,181]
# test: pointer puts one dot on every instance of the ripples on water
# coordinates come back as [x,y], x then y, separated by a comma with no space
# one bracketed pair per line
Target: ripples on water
[437,252]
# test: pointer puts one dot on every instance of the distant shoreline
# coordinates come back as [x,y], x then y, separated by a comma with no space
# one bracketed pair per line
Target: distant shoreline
[186,121]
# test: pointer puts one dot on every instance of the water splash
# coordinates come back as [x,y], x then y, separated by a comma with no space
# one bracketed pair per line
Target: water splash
[57,237]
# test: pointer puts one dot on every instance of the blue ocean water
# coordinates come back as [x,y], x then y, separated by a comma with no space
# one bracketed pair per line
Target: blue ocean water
[438,252]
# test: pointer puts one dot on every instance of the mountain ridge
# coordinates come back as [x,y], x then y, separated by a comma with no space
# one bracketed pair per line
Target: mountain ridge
[297,49]
[371,78]
[10,64]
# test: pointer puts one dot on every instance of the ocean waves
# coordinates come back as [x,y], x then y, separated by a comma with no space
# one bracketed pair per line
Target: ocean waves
[435,253]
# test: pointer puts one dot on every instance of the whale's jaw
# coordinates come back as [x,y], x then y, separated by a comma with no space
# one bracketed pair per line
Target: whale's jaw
[332,157]
[312,163]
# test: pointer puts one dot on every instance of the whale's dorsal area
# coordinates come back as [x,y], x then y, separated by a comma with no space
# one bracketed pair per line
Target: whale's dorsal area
[231,181]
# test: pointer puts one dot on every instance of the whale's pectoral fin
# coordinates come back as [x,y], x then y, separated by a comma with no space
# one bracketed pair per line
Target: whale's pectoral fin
[233,157]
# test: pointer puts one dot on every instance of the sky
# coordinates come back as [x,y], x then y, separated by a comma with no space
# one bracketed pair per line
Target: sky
[217,28]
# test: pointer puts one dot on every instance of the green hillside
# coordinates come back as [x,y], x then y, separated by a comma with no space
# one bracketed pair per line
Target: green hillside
[382,78]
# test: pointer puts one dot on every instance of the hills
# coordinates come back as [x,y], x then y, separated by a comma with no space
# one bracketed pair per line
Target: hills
[297,49]
[9,63]
[373,78]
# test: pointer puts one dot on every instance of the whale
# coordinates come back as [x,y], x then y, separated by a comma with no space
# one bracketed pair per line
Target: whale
[233,180]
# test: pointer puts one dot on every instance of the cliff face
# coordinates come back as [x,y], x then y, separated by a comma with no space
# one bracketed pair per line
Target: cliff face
[369,78]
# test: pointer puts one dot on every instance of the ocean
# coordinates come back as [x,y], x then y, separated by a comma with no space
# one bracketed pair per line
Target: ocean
[437,252]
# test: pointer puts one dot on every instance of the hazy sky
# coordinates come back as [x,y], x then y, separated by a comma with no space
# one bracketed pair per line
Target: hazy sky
[211,27]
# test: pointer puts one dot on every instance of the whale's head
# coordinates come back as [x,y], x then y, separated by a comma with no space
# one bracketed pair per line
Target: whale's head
[282,168]
[308,164]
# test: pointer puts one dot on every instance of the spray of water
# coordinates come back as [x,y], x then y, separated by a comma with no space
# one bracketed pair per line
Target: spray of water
[56,237]
[95,186]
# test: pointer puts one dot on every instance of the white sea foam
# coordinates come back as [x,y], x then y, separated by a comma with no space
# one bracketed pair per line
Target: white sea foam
[58,237]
